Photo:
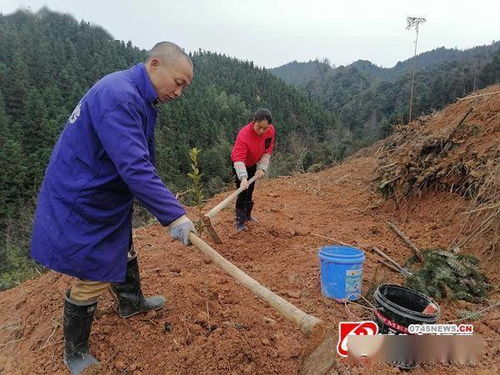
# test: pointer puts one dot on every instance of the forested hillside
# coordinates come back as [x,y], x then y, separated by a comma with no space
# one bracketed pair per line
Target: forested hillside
[369,99]
[48,60]
[299,74]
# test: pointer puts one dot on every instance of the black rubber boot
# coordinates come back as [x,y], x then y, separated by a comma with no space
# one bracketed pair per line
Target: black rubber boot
[249,217]
[129,295]
[77,323]
[241,218]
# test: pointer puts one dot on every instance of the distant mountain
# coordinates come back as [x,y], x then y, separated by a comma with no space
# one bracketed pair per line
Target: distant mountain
[368,99]
[300,73]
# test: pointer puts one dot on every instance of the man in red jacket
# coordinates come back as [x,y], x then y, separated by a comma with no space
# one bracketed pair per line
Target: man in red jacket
[251,155]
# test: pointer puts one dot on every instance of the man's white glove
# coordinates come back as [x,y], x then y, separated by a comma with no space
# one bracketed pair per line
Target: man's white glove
[179,229]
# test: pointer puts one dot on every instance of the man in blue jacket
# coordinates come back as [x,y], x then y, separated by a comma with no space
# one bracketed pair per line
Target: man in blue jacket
[104,158]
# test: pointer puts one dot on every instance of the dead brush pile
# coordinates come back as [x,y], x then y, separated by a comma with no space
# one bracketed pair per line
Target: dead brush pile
[457,150]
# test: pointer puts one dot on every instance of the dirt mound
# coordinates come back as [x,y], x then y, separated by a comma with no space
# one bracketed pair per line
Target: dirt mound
[456,150]
[211,324]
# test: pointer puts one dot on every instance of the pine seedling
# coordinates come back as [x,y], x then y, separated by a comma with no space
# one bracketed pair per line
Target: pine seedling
[196,191]
[447,275]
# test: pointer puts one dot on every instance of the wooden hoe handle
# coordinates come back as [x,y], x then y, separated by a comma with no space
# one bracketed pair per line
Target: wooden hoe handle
[304,321]
[214,211]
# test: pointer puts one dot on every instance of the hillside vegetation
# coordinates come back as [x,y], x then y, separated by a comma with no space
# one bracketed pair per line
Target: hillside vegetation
[369,99]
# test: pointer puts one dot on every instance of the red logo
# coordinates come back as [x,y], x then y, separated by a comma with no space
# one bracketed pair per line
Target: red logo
[354,328]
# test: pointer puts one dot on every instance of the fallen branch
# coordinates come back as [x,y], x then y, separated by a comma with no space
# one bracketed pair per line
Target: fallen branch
[482,209]
[330,239]
[474,314]
[388,265]
[384,183]
[478,96]
[452,133]
[388,165]
[406,240]
[341,178]
[399,268]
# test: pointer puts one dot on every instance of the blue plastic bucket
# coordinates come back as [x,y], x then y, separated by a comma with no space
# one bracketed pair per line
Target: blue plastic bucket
[341,272]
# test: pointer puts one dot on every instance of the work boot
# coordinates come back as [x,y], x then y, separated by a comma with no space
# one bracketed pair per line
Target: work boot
[129,295]
[241,218]
[249,217]
[77,323]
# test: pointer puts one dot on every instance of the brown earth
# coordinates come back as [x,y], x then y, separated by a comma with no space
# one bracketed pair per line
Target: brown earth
[212,325]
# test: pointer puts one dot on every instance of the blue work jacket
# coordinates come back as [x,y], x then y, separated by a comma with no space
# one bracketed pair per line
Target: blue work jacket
[102,160]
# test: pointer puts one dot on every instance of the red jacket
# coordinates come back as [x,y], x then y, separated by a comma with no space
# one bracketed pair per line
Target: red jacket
[249,147]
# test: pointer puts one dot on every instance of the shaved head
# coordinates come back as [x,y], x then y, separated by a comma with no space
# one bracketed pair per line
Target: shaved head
[168,53]
[170,70]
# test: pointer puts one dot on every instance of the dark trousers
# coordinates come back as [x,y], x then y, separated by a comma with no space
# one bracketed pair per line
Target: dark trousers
[245,195]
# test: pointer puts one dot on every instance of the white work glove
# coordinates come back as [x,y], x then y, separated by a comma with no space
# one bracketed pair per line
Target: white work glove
[179,229]
[260,173]
[244,183]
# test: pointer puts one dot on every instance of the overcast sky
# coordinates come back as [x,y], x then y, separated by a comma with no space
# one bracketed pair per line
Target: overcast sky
[274,32]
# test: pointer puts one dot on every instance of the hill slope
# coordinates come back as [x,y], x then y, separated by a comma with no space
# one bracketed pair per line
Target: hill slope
[212,325]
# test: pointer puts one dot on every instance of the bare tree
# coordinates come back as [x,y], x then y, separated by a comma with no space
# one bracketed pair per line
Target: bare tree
[413,22]
[324,68]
